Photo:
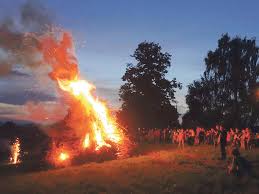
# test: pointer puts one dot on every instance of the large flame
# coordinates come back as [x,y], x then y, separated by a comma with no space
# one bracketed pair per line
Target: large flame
[103,127]
[90,118]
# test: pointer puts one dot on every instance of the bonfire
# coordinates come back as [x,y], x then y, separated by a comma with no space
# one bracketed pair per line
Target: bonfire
[94,128]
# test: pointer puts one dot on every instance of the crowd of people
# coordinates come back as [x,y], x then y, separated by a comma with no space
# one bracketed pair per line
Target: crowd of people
[218,136]
[243,138]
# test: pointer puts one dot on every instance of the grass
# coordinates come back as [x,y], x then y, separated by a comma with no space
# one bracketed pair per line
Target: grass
[154,169]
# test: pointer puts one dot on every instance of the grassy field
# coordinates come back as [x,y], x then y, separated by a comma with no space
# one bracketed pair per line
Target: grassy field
[154,169]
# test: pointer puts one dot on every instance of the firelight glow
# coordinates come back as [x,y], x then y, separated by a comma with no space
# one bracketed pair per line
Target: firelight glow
[63,156]
[90,120]
[15,152]
[104,129]
[86,142]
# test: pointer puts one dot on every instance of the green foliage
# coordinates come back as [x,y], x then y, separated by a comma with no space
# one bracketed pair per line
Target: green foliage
[227,91]
[147,96]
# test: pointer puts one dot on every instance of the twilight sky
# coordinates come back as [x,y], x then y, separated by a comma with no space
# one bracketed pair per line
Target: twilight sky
[107,32]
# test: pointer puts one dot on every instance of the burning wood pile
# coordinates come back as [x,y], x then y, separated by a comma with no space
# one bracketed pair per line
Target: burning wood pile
[93,125]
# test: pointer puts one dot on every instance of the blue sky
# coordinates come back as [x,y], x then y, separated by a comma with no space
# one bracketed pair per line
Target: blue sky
[107,32]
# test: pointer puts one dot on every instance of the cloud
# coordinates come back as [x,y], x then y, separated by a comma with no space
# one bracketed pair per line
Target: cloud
[110,95]
[10,109]
[20,86]
[17,73]
[21,97]
[16,44]
[37,112]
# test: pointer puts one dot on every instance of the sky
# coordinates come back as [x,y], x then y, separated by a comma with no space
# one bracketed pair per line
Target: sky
[107,32]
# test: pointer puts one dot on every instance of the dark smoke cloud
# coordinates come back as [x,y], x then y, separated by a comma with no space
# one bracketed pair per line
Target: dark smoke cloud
[17,46]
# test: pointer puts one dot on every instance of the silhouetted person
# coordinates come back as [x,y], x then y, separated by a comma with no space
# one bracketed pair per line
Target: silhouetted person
[239,165]
[223,142]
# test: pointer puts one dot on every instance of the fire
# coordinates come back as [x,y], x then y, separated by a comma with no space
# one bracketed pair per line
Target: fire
[99,139]
[86,143]
[63,156]
[90,118]
[15,152]
[104,127]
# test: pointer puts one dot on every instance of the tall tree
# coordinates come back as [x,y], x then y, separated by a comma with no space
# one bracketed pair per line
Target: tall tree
[147,96]
[230,81]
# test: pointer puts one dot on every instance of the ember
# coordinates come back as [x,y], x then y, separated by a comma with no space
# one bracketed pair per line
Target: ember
[63,156]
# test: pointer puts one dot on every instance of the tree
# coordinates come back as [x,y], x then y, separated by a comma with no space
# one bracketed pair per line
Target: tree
[147,96]
[201,108]
[229,83]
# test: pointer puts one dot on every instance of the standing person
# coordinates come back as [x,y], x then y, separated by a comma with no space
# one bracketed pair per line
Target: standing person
[211,136]
[208,137]
[192,136]
[243,139]
[232,134]
[236,141]
[196,141]
[239,165]
[201,136]
[188,135]
[169,135]
[181,138]
[223,142]
[172,136]
[215,136]
[157,135]
[228,138]
[164,135]
[175,136]
[248,138]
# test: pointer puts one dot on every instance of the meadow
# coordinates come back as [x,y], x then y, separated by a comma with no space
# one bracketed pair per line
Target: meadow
[153,169]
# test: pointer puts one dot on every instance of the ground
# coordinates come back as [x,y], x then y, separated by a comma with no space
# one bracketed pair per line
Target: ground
[154,169]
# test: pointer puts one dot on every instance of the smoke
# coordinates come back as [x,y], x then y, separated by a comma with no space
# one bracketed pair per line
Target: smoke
[17,46]
[40,112]
[35,16]
[32,41]
[44,111]
[23,46]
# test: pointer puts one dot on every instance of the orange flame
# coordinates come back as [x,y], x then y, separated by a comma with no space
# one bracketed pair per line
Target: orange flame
[63,156]
[103,125]
[86,143]
[91,118]
[15,152]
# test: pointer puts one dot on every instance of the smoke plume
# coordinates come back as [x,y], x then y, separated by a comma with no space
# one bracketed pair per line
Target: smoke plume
[19,44]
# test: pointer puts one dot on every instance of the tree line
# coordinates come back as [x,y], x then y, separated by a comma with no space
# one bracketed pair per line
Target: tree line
[227,92]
